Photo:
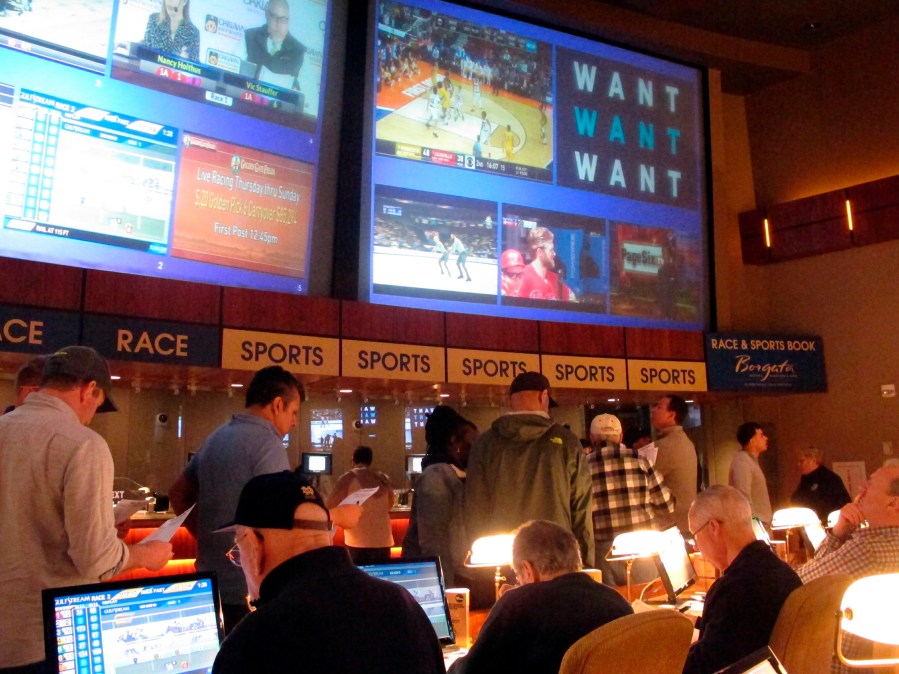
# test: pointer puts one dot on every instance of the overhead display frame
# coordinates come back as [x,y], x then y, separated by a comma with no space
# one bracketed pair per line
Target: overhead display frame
[177,139]
[515,170]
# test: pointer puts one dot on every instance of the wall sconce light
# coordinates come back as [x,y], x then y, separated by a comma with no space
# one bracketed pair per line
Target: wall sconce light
[767,234]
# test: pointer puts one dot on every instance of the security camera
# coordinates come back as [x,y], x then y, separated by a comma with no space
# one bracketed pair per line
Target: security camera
[160,427]
[357,424]
[162,419]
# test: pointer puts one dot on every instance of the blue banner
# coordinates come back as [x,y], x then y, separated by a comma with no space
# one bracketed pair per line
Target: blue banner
[765,363]
[153,341]
[37,331]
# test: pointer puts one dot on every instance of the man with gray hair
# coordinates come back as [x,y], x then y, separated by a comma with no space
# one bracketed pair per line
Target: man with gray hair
[531,626]
[862,551]
[742,606]
[820,488]
[628,495]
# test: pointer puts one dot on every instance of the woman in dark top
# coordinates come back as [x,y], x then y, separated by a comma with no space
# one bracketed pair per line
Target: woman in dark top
[170,30]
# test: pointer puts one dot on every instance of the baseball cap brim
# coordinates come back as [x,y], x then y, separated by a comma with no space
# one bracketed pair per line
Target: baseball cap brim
[108,404]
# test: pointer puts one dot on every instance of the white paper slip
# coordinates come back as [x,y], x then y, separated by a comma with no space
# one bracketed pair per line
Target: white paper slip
[125,508]
[359,497]
[649,452]
[167,529]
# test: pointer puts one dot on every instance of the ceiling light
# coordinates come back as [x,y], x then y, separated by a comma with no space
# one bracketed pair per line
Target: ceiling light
[114,377]
[345,390]
[236,385]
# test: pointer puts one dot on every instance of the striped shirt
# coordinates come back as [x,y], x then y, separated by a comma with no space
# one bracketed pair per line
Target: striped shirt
[628,493]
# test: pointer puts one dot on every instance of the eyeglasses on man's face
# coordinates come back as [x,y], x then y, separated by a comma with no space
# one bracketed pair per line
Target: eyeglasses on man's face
[696,533]
[233,553]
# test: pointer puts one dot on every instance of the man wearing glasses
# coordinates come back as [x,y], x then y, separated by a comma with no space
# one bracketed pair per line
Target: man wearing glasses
[315,611]
[742,606]
[278,55]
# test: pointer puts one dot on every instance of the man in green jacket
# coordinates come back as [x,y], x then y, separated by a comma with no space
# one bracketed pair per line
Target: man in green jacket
[527,467]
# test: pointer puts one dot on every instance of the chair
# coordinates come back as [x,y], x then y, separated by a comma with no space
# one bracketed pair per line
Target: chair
[803,635]
[653,642]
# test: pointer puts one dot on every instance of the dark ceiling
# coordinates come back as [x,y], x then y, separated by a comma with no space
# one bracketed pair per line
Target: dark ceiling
[800,24]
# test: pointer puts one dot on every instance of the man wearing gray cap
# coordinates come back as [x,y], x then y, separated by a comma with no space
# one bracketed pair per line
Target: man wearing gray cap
[315,611]
[56,520]
[527,467]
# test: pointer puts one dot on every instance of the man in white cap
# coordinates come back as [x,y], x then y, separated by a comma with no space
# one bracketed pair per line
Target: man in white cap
[525,467]
[628,495]
[315,611]
[56,502]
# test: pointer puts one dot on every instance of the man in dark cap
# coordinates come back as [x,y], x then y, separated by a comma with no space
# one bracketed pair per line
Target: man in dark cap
[56,516]
[315,611]
[528,467]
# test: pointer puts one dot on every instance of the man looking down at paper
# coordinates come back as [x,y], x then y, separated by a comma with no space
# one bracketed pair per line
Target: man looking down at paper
[56,516]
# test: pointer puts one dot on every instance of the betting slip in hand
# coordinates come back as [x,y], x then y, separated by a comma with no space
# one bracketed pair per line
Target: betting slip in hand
[359,497]
[167,529]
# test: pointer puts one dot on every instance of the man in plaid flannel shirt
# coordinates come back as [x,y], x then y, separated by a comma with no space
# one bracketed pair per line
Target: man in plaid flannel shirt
[628,494]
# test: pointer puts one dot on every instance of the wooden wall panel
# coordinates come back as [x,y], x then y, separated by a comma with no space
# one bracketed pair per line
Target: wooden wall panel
[39,284]
[486,332]
[664,344]
[383,323]
[280,312]
[876,226]
[154,298]
[813,239]
[581,340]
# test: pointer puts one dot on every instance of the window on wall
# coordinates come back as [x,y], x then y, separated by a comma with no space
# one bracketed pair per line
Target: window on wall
[326,427]
[415,418]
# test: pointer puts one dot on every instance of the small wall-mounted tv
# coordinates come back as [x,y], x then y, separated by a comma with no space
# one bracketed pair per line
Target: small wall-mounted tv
[413,463]
[316,463]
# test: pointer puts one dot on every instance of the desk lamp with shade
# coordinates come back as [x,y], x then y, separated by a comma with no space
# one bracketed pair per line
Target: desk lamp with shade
[787,519]
[870,610]
[495,551]
[633,545]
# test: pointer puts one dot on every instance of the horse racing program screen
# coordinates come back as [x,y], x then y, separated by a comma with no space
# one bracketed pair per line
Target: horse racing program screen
[174,139]
[519,171]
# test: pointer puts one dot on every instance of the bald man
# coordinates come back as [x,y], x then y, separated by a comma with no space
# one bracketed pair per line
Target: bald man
[278,55]
[314,609]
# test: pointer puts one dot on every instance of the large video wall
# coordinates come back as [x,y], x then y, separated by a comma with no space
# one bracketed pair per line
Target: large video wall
[172,138]
[518,171]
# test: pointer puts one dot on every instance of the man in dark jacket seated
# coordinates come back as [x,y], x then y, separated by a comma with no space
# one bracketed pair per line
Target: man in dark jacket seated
[531,626]
[315,610]
[742,606]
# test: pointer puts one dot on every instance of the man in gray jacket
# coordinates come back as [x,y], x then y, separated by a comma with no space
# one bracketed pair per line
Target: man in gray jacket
[528,467]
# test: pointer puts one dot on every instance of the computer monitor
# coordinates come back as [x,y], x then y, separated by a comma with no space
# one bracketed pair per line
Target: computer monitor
[761,533]
[812,536]
[761,661]
[166,623]
[413,463]
[675,566]
[316,463]
[423,578]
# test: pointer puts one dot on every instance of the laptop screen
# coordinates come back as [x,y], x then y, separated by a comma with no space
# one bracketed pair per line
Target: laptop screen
[162,624]
[675,565]
[423,578]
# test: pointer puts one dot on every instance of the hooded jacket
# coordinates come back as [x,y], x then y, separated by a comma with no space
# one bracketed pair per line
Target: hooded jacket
[528,467]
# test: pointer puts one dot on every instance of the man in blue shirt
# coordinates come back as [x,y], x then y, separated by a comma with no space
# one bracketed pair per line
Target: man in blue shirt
[249,444]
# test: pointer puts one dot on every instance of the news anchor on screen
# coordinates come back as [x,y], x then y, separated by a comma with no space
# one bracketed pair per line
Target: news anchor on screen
[278,55]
